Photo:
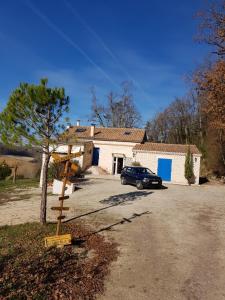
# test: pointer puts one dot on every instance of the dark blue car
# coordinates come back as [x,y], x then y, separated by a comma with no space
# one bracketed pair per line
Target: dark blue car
[141,177]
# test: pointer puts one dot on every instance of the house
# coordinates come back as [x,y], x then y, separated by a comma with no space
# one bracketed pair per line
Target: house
[113,148]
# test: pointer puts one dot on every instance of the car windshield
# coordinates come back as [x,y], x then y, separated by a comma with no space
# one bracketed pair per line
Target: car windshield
[143,171]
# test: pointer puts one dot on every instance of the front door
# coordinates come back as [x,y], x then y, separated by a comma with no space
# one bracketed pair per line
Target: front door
[129,175]
[95,158]
[117,165]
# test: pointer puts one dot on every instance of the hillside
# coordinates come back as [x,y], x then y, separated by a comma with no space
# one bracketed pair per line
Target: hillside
[20,151]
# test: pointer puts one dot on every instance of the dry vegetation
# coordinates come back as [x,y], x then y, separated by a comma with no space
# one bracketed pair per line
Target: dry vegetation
[29,271]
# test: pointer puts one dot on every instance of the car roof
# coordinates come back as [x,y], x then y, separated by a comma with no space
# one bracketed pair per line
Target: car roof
[136,167]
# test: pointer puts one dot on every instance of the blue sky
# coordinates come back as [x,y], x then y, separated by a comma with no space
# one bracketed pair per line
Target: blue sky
[101,43]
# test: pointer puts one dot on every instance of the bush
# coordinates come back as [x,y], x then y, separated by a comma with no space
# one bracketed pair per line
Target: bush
[188,168]
[55,171]
[5,170]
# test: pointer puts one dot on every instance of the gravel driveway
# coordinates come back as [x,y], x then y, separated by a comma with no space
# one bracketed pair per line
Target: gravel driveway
[171,241]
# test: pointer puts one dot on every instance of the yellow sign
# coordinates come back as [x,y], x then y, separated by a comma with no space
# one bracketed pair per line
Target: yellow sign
[58,240]
[59,158]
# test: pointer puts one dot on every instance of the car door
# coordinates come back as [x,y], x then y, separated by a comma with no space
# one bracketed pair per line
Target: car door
[128,175]
[133,176]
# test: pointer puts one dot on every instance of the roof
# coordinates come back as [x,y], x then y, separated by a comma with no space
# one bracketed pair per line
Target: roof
[160,147]
[134,135]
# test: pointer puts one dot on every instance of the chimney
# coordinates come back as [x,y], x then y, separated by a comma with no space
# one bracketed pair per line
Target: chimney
[92,130]
[78,122]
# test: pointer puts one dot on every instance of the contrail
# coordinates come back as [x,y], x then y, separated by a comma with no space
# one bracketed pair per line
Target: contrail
[66,38]
[102,43]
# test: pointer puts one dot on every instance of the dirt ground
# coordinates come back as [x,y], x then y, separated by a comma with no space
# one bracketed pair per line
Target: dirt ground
[171,241]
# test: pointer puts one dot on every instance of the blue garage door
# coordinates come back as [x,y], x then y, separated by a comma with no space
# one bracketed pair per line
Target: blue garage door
[95,158]
[165,168]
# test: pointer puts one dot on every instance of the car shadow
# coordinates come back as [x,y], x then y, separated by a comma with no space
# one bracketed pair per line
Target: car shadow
[127,197]
[115,200]
[162,187]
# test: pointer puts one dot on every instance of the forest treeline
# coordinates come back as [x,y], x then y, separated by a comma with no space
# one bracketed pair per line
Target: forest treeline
[199,117]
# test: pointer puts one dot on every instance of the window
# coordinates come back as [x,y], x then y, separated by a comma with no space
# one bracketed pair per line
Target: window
[80,129]
[127,132]
[143,171]
[129,170]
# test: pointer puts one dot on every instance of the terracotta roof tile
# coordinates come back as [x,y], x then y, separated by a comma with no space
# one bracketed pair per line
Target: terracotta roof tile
[134,135]
[160,147]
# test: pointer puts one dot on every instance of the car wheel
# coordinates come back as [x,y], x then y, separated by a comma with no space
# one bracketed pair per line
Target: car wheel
[139,185]
[123,181]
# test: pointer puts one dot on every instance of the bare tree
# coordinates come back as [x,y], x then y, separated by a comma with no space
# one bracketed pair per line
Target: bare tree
[119,111]
[212,27]
[98,111]
[176,124]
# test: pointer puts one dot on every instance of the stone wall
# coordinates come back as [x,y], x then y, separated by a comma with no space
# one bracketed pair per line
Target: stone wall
[88,154]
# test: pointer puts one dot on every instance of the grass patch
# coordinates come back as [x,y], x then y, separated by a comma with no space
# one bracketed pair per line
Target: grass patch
[30,271]
[8,185]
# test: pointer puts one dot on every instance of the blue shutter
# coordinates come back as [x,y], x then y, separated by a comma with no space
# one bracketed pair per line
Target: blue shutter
[165,168]
[95,158]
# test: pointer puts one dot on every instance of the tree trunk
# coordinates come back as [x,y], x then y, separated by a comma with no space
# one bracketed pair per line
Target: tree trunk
[44,190]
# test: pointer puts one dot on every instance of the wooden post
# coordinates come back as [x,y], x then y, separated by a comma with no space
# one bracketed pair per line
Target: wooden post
[66,169]
[59,239]
[14,173]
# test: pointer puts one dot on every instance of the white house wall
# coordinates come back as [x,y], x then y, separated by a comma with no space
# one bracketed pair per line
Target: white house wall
[150,160]
[63,149]
[108,149]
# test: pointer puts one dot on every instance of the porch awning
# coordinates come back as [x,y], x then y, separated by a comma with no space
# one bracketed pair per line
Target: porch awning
[118,155]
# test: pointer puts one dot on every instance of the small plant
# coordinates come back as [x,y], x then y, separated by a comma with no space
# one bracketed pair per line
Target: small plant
[136,164]
[55,171]
[188,168]
[5,170]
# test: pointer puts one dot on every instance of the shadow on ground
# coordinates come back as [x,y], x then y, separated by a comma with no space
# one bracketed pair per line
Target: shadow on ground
[162,187]
[111,226]
[203,179]
[85,181]
[15,196]
[127,197]
[115,200]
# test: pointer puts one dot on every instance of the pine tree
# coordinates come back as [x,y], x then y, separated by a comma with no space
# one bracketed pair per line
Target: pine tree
[188,168]
[32,117]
